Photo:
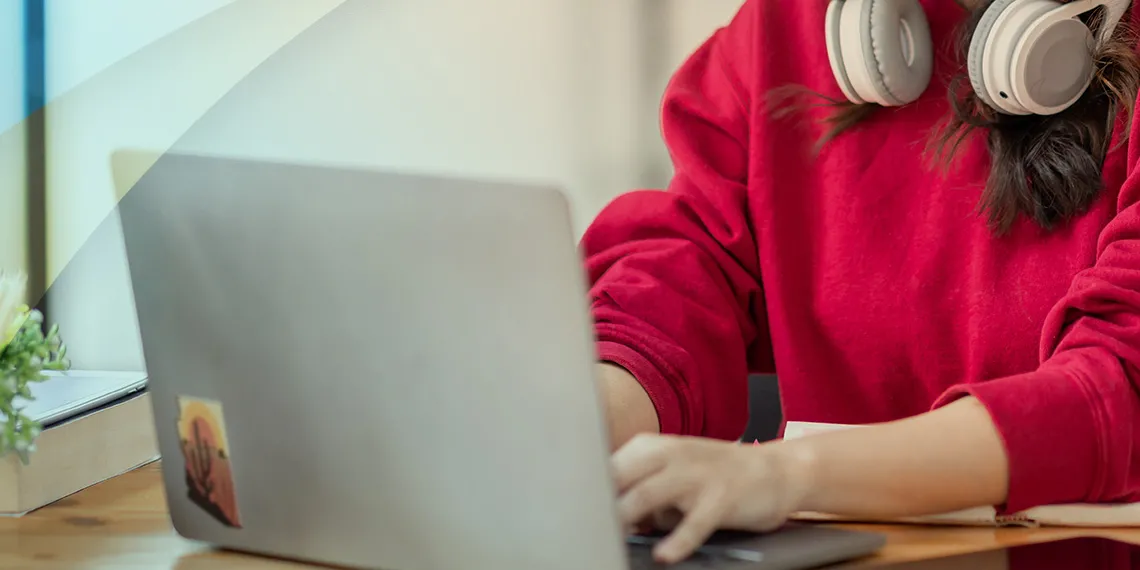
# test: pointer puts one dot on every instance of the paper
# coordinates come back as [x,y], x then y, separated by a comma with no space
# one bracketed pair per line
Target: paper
[793,430]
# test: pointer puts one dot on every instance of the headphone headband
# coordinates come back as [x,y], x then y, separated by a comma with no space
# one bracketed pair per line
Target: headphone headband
[1114,12]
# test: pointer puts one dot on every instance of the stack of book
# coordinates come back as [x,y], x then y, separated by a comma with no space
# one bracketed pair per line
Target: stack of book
[96,425]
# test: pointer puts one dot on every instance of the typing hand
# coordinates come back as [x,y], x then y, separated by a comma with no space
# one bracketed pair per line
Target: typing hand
[690,487]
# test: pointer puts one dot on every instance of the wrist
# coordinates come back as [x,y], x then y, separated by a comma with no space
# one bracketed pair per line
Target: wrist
[797,467]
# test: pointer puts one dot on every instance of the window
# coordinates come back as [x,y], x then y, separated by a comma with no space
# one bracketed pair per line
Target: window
[13,130]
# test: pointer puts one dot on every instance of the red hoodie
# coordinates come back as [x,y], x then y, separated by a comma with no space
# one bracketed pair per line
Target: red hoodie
[867,280]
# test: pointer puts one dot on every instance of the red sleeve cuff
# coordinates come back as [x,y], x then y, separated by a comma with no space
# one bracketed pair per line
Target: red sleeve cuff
[656,385]
[1050,431]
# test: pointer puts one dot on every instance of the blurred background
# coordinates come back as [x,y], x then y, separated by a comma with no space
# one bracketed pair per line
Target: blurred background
[563,91]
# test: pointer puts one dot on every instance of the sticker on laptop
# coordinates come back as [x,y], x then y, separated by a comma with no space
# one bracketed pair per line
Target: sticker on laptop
[206,451]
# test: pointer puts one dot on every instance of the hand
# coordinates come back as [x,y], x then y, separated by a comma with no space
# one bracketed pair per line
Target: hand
[694,486]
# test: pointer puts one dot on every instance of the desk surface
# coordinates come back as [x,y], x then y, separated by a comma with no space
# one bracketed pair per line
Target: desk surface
[122,523]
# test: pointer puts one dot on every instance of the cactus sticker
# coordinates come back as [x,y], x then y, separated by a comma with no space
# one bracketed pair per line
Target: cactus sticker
[206,451]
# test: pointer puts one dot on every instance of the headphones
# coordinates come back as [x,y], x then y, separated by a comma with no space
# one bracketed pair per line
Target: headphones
[1027,57]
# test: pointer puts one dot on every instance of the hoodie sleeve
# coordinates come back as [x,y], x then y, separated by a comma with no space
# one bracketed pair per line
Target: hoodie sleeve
[673,273]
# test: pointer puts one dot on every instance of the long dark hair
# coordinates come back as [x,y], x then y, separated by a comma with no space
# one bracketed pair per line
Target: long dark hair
[1047,168]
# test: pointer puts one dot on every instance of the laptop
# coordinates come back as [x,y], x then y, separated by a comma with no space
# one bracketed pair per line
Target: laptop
[384,370]
[68,394]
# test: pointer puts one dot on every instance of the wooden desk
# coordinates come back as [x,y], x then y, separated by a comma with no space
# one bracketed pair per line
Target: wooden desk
[122,523]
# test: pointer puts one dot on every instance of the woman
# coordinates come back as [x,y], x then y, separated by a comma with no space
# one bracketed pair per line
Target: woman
[978,313]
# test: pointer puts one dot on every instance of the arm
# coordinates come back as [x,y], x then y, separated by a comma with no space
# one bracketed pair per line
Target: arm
[629,411]
[1071,428]
[674,274]
[942,461]
[1067,432]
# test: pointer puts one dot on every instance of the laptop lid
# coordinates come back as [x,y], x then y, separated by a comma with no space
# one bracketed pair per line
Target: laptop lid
[366,368]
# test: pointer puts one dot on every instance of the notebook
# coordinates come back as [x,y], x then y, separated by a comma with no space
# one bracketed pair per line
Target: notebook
[1071,515]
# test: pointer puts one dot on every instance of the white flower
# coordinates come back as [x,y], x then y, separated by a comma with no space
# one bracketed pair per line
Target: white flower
[13,311]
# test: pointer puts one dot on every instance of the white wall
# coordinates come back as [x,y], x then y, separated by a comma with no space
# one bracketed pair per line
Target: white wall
[559,90]
[86,37]
[182,62]
[691,21]
[13,215]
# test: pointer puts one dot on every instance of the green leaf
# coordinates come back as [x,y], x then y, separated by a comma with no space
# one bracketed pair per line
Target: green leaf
[24,357]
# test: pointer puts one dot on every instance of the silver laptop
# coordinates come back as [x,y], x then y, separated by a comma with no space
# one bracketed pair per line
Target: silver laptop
[381,370]
[69,394]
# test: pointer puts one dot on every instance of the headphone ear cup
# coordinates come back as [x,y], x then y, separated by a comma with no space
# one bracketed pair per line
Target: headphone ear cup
[898,39]
[989,59]
[1031,56]
[835,52]
[974,58]
[1052,65]
[880,50]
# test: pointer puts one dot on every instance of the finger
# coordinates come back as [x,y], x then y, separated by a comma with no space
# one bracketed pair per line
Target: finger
[657,523]
[656,493]
[667,519]
[639,458]
[694,530]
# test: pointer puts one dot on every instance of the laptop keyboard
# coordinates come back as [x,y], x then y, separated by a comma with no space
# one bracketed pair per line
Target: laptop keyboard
[641,558]
[708,556]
